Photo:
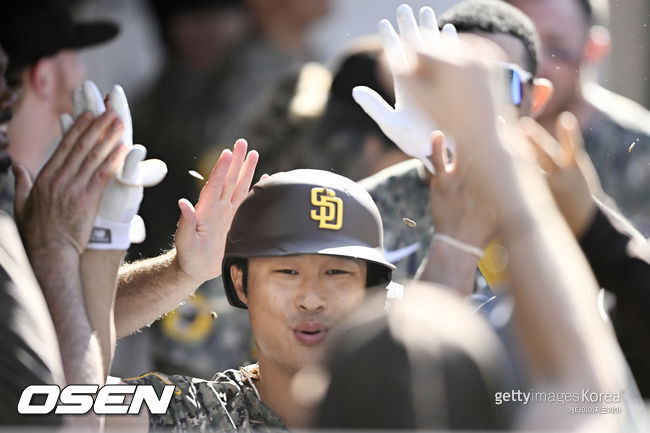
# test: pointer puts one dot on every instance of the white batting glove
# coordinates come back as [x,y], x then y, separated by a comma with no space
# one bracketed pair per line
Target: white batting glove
[406,125]
[117,224]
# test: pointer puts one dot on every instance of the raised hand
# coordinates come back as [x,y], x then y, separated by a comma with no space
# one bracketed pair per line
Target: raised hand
[454,210]
[117,223]
[405,124]
[201,233]
[570,173]
[58,210]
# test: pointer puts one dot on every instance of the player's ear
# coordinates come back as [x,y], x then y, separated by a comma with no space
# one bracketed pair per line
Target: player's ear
[598,44]
[542,91]
[237,277]
[41,78]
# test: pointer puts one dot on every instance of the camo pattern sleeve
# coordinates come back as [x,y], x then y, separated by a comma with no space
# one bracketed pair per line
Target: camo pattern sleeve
[226,403]
[401,193]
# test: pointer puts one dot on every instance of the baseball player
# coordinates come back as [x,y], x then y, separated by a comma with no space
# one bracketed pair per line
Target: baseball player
[303,249]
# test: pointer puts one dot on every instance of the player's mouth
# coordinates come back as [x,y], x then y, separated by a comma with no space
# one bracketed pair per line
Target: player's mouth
[310,333]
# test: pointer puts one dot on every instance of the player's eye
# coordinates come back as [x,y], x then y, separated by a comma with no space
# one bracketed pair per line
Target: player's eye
[287,271]
[336,272]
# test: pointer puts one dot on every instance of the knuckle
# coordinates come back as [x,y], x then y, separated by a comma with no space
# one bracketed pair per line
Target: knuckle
[53,186]
[92,156]
[83,144]
[75,190]
[104,174]
[66,143]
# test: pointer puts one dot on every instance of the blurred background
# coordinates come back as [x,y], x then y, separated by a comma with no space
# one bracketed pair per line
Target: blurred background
[135,58]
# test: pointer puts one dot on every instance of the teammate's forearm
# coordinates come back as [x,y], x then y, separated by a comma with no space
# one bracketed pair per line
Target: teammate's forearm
[449,267]
[549,273]
[148,289]
[58,273]
[99,276]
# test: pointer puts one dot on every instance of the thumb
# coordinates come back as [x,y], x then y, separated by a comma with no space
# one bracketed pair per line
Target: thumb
[186,222]
[23,185]
[130,169]
[374,105]
[152,172]
[569,136]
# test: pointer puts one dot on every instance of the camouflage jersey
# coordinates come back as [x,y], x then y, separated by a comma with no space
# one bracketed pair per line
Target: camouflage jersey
[228,402]
[402,191]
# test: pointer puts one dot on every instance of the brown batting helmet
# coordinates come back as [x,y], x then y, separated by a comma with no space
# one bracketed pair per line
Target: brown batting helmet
[306,212]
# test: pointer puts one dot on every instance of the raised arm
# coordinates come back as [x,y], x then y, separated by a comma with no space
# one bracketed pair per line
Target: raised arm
[564,339]
[150,288]
[462,227]
[619,255]
[56,217]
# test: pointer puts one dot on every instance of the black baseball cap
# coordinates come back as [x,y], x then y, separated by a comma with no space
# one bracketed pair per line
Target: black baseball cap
[33,29]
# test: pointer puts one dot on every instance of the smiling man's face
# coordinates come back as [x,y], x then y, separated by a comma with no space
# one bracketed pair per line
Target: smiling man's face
[294,302]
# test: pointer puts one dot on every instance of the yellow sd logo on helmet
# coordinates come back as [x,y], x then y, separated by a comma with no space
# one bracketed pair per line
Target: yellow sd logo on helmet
[330,208]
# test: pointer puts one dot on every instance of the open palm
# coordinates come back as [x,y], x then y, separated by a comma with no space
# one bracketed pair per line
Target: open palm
[201,233]
[405,124]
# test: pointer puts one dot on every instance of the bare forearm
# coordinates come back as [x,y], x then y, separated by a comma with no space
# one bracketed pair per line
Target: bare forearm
[548,273]
[449,267]
[59,277]
[148,289]
[99,276]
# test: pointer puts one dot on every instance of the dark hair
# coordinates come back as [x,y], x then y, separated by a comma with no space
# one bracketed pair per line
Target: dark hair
[495,16]
[338,135]
[376,274]
[587,9]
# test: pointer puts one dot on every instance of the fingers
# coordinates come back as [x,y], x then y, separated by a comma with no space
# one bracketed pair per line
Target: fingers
[98,153]
[212,189]
[395,55]
[118,102]
[87,97]
[449,37]
[130,168]
[546,148]
[78,103]
[80,126]
[66,123]
[186,222]
[373,104]
[231,176]
[106,170]
[238,154]
[429,29]
[87,142]
[438,153]
[23,185]
[569,136]
[245,177]
[151,172]
[137,230]
[408,28]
